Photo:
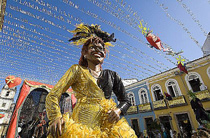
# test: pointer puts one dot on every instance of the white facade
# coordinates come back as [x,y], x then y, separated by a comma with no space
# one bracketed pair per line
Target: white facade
[127,82]
[206,46]
[6,106]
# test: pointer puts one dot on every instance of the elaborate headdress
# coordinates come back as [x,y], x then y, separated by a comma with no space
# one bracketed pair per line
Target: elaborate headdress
[83,32]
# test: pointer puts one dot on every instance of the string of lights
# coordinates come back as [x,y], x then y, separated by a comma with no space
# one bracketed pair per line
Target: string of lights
[127,17]
[70,3]
[36,40]
[178,22]
[193,16]
[135,15]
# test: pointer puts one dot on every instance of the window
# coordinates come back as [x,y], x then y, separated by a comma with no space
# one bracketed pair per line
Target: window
[3,104]
[183,121]
[7,94]
[165,121]
[157,93]
[148,122]
[194,82]
[135,126]
[173,88]
[143,97]
[131,98]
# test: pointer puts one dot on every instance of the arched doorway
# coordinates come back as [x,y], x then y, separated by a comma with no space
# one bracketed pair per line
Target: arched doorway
[33,114]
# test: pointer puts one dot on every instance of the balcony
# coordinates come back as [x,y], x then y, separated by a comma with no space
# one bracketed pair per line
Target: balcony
[203,95]
[177,101]
[159,104]
[132,110]
[144,107]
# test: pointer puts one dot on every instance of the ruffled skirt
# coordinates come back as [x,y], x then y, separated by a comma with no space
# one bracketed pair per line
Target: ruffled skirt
[74,129]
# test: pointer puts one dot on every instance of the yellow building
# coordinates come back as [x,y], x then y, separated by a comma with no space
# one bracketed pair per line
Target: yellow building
[177,114]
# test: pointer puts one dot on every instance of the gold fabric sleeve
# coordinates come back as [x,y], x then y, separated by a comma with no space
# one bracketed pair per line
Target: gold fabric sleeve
[53,98]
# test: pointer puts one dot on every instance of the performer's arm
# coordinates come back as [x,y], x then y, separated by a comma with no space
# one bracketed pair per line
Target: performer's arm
[52,99]
[122,97]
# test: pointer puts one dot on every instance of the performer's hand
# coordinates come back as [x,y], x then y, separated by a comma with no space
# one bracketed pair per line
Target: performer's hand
[56,125]
[114,115]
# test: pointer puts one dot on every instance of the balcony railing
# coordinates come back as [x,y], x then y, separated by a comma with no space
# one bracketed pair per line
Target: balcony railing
[159,104]
[132,110]
[203,95]
[177,101]
[144,107]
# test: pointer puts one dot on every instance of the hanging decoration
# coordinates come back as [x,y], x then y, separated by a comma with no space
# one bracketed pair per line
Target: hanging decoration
[1,115]
[193,16]
[52,50]
[70,3]
[154,41]
[35,37]
[181,64]
[142,55]
[127,18]
[13,81]
[173,53]
[178,22]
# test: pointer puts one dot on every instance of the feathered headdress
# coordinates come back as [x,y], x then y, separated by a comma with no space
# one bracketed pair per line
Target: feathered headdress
[83,32]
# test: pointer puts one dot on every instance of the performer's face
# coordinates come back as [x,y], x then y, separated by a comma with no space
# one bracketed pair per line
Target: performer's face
[96,53]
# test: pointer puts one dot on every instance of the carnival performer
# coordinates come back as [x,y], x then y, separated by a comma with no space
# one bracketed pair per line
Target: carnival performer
[95,113]
[198,109]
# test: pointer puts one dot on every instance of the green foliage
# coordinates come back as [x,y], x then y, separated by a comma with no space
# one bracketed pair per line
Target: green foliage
[191,94]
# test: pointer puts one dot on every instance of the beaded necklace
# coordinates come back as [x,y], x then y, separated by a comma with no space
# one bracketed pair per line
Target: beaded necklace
[95,74]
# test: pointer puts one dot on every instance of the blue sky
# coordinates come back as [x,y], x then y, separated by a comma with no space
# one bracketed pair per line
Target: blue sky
[34,49]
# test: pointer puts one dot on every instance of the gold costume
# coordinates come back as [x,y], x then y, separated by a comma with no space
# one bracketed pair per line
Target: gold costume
[89,117]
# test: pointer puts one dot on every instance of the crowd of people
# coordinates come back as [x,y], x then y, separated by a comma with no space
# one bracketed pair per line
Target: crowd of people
[35,128]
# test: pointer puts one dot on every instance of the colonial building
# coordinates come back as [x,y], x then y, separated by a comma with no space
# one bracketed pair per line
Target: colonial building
[174,113]
[140,115]
[6,106]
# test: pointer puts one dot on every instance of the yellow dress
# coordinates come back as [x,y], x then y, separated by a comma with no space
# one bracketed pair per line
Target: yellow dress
[89,117]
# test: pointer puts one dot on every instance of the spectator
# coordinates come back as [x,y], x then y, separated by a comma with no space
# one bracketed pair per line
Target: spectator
[168,96]
[174,134]
[198,109]
[194,134]
[179,135]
